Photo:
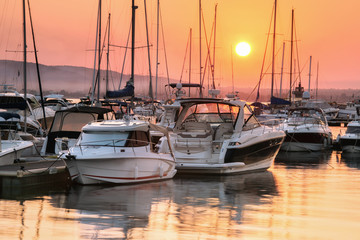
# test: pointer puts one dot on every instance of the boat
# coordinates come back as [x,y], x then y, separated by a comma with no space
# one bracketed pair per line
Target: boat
[216,136]
[13,102]
[12,150]
[329,111]
[306,130]
[350,141]
[66,127]
[118,151]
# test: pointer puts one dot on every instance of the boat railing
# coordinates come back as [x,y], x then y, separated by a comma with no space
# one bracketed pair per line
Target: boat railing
[114,143]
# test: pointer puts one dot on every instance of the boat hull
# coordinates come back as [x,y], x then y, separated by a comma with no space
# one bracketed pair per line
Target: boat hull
[120,170]
[298,142]
[350,145]
[245,158]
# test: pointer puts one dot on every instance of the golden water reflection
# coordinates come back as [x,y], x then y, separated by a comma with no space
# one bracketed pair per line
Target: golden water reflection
[312,197]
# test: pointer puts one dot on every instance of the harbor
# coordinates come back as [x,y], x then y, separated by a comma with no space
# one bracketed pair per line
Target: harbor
[179,120]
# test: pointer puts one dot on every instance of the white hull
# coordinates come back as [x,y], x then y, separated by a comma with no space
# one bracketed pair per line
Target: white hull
[119,169]
[244,158]
[225,168]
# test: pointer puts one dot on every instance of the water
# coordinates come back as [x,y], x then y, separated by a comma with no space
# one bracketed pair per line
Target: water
[302,196]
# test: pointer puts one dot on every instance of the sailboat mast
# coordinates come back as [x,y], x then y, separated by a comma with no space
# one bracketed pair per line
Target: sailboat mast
[310,72]
[133,39]
[232,71]
[200,45]
[282,68]
[107,55]
[157,46]
[273,52]
[291,50]
[99,53]
[190,59]
[148,48]
[37,67]
[317,80]
[213,65]
[24,43]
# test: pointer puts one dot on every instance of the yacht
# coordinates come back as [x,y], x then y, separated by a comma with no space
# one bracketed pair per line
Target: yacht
[350,141]
[118,151]
[216,136]
[306,129]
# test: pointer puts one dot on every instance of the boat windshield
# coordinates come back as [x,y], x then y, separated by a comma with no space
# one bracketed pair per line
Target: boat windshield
[34,103]
[117,139]
[212,113]
[353,129]
[306,116]
[250,120]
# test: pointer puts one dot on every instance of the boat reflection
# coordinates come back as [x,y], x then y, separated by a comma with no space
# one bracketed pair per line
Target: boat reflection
[211,204]
[303,158]
[352,160]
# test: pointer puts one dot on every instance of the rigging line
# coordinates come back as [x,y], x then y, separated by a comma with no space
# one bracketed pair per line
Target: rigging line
[123,66]
[147,40]
[262,76]
[163,38]
[263,63]
[37,68]
[183,66]
[208,57]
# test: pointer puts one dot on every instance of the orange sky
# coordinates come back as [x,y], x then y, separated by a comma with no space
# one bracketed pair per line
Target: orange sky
[65,35]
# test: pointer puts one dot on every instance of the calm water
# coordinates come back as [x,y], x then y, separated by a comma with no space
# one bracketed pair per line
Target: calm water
[302,196]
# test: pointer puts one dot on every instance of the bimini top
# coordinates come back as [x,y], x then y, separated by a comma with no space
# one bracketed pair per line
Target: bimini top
[117,126]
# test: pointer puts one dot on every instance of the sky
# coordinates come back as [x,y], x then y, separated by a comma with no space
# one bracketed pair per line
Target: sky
[65,33]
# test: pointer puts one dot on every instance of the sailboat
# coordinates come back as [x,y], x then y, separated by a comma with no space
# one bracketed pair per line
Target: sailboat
[119,151]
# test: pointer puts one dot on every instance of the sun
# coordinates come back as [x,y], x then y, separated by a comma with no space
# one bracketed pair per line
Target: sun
[243,49]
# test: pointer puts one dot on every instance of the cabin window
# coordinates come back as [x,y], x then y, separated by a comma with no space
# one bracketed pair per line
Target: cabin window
[33,103]
[112,139]
[138,139]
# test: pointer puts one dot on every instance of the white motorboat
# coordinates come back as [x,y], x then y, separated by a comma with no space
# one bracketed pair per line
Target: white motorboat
[306,130]
[214,136]
[12,150]
[117,151]
[350,141]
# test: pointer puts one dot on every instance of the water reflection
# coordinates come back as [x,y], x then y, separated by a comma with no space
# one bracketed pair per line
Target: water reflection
[215,206]
[303,158]
[209,205]
[116,209]
[352,160]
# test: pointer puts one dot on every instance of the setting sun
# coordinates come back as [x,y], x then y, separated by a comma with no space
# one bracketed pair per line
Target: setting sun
[243,49]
